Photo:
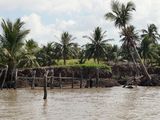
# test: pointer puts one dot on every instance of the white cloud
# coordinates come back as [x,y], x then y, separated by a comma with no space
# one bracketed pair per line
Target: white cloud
[79,17]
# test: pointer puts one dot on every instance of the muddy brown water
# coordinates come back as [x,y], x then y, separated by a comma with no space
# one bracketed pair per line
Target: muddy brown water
[116,103]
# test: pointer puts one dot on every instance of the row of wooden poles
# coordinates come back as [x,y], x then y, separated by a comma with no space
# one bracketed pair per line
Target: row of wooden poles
[45,79]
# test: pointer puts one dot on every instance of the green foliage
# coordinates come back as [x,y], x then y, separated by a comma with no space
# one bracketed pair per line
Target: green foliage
[46,55]
[12,41]
[121,13]
[66,47]
[87,65]
[28,55]
[97,48]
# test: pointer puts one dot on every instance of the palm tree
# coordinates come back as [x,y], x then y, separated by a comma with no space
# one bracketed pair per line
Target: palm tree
[151,34]
[121,15]
[150,38]
[148,50]
[112,52]
[28,55]
[46,56]
[12,41]
[66,46]
[97,48]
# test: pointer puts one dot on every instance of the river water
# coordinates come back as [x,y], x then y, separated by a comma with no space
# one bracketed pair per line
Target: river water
[116,103]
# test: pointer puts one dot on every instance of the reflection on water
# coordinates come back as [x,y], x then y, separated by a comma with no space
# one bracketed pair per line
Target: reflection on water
[115,103]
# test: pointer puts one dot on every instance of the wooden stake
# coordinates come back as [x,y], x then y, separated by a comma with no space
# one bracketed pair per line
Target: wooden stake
[5,76]
[16,74]
[52,79]
[60,80]
[97,77]
[81,78]
[72,80]
[45,85]
[33,81]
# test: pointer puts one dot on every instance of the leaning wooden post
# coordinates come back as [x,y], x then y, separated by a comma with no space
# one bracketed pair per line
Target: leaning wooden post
[60,80]
[33,81]
[81,78]
[5,76]
[16,77]
[52,79]
[72,80]
[97,77]
[45,84]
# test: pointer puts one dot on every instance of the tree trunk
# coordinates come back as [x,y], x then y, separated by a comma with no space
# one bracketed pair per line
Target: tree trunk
[134,61]
[142,65]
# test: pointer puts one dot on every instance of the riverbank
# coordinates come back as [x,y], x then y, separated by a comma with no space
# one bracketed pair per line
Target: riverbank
[84,76]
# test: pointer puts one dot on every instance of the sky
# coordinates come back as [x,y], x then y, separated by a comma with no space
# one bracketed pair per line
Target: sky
[47,19]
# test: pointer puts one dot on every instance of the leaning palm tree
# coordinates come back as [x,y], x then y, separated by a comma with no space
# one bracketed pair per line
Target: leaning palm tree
[66,46]
[121,15]
[11,39]
[97,48]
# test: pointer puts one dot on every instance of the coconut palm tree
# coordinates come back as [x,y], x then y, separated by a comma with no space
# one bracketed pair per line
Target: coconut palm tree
[121,15]
[28,55]
[148,50]
[151,34]
[12,40]
[150,38]
[65,46]
[46,56]
[97,48]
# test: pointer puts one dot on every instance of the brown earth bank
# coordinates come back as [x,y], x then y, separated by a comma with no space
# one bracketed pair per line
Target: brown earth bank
[120,74]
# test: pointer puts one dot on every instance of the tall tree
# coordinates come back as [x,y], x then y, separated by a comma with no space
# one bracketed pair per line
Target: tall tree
[121,15]
[97,48]
[65,46]
[12,39]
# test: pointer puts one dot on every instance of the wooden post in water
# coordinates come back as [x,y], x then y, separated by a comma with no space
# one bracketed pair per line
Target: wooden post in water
[72,80]
[45,85]
[60,80]
[52,79]
[81,78]
[33,81]
[16,74]
[97,77]
[5,76]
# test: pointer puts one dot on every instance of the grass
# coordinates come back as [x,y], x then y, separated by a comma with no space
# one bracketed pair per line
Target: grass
[88,64]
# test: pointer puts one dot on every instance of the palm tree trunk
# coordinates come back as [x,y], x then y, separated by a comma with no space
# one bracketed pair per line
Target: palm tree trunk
[134,61]
[142,65]
[64,59]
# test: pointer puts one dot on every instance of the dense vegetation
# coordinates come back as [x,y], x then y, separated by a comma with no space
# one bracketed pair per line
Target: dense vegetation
[137,45]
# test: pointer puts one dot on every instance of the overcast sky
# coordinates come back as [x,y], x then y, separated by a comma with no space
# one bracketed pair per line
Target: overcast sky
[49,18]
